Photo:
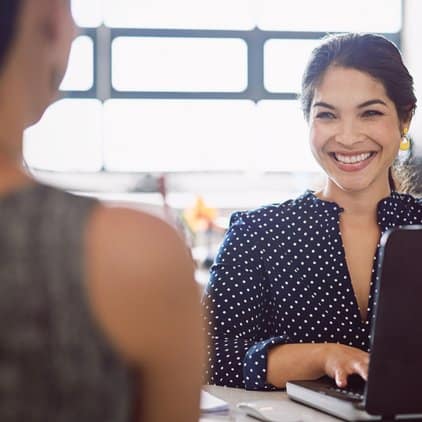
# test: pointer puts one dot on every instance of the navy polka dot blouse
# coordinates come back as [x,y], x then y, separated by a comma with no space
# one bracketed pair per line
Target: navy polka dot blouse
[279,277]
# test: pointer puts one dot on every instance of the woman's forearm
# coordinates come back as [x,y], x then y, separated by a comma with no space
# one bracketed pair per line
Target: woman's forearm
[295,362]
[310,361]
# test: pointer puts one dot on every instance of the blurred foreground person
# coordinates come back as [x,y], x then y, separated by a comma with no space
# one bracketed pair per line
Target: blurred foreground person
[99,312]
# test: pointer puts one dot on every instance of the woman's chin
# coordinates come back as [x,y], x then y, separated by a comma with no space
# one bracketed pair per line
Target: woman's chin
[352,186]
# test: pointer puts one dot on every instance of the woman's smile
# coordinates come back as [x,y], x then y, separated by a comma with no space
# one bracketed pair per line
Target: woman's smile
[352,161]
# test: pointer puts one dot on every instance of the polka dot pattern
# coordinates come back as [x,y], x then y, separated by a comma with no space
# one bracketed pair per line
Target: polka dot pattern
[280,277]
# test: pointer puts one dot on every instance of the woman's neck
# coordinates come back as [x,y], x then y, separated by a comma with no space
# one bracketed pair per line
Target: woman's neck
[360,204]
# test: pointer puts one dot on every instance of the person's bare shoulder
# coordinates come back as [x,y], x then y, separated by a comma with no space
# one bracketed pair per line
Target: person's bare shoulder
[139,275]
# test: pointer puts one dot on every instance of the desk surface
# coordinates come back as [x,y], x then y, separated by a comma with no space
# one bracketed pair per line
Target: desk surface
[292,412]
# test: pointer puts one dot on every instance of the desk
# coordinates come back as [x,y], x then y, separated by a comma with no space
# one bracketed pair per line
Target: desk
[235,395]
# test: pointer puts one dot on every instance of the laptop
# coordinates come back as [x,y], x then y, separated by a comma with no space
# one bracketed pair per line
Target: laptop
[394,386]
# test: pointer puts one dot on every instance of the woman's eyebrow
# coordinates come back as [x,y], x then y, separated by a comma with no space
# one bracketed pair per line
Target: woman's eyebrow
[362,105]
[322,104]
[371,102]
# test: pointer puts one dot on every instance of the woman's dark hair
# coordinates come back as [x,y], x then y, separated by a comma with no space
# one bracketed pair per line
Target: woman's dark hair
[9,10]
[369,53]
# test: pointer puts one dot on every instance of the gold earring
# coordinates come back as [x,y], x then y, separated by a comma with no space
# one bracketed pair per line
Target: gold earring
[405,141]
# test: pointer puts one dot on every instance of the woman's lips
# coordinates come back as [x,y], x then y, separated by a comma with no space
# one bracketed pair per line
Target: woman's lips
[352,162]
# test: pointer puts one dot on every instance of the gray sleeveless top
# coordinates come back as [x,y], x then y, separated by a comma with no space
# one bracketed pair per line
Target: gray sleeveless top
[55,363]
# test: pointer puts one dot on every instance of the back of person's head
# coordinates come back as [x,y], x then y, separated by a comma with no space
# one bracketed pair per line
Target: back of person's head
[9,10]
[369,53]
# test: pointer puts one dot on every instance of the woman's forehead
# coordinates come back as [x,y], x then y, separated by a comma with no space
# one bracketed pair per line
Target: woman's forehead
[349,86]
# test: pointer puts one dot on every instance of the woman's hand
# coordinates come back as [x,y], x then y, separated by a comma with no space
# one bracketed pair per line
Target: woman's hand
[340,361]
[305,361]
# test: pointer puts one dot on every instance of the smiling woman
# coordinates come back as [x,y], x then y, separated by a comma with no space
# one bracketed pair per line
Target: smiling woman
[291,294]
[378,60]
[355,131]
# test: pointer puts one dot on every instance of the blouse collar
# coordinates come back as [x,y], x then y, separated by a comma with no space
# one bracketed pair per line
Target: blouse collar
[392,210]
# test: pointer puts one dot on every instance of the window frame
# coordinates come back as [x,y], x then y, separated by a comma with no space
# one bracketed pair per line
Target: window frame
[255,40]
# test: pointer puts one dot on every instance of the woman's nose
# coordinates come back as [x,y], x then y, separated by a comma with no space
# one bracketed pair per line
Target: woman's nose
[348,133]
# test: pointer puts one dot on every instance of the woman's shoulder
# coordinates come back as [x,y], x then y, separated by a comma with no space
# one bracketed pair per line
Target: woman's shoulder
[274,213]
[136,262]
[404,201]
[400,209]
[408,198]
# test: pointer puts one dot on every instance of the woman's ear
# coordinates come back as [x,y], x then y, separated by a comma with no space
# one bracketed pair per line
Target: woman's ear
[404,127]
[407,121]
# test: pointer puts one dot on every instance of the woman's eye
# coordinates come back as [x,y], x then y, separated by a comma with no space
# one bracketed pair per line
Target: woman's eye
[325,115]
[371,113]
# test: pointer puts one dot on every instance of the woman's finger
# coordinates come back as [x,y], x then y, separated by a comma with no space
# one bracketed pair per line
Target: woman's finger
[341,378]
[361,368]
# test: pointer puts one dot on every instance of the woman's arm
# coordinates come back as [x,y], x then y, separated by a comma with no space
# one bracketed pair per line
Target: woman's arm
[142,290]
[310,361]
[237,314]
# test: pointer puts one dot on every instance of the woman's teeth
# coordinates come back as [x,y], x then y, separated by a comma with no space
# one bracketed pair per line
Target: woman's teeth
[352,159]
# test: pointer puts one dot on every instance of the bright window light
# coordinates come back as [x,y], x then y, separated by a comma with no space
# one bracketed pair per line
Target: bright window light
[282,143]
[80,71]
[87,13]
[178,135]
[179,64]
[284,63]
[186,135]
[330,15]
[67,138]
[187,14]
[324,15]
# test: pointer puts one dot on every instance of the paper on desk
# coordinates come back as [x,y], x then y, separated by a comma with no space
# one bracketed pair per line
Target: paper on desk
[210,403]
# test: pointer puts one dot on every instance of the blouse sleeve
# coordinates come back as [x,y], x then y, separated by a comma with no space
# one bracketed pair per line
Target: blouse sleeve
[237,313]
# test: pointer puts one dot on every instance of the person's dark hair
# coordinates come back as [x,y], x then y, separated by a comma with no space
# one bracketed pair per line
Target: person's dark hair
[369,53]
[8,16]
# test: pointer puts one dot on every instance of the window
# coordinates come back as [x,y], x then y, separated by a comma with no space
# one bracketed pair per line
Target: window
[181,14]
[87,13]
[68,138]
[179,64]
[331,16]
[188,86]
[80,72]
[281,75]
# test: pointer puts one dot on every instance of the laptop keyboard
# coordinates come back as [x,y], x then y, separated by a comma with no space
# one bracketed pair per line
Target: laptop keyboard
[346,393]
[354,391]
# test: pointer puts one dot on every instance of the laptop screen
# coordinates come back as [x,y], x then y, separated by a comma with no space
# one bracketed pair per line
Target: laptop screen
[395,372]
